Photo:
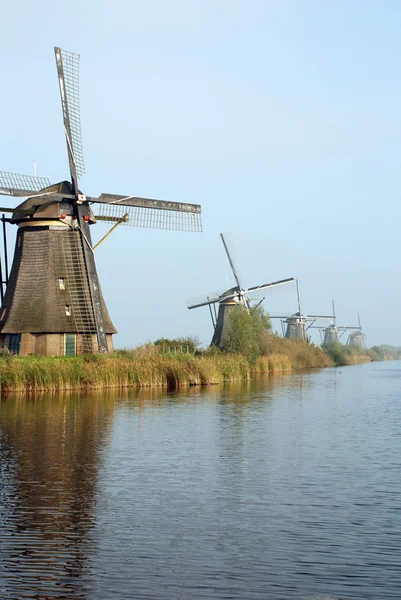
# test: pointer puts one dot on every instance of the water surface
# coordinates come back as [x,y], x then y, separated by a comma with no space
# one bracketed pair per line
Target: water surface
[284,488]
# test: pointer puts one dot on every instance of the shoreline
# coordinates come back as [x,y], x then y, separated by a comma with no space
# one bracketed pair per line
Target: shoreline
[31,374]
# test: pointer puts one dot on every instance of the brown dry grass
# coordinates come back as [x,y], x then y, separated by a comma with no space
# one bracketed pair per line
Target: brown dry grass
[147,366]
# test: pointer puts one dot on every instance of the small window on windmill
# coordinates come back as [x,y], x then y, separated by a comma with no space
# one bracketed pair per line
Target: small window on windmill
[67,310]
[70,344]
[14,343]
[61,283]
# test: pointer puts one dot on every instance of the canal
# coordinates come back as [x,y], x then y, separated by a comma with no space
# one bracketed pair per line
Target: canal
[284,488]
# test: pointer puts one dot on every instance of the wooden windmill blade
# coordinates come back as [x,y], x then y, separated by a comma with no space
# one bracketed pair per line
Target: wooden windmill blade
[15,184]
[149,213]
[280,316]
[263,286]
[231,261]
[212,298]
[256,289]
[68,78]
[309,317]
[241,294]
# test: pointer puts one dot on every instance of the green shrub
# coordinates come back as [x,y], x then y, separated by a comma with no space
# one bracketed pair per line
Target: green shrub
[245,331]
[337,352]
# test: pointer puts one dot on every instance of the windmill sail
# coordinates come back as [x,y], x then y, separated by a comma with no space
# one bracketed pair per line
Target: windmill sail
[144,212]
[211,298]
[68,78]
[230,260]
[14,184]
[260,288]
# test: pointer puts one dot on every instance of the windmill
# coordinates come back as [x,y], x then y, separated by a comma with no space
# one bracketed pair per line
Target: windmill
[53,303]
[295,326]
[357,338]
[228,299]
[333,332]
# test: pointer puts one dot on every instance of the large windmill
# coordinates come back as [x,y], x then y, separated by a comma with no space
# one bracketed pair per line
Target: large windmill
[357,338]
[333,332]
[228,299]
[295,326]
[53,303]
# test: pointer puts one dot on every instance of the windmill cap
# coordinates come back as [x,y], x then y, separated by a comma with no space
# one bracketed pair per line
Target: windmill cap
[45,208]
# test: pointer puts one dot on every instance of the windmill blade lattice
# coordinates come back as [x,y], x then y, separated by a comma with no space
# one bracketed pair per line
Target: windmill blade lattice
[319,316]
[68,76]
[14,184]
[231,261]
[212,298]
[264,286]
[154,214]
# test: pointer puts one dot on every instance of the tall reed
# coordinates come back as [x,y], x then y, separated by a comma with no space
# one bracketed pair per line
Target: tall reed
[149,366]
[45,373]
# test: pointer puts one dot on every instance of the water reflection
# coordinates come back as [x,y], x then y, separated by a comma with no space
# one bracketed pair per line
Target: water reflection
[284,488]
[49,449]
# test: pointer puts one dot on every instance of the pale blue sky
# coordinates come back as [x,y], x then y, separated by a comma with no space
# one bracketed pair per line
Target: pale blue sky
[282,118]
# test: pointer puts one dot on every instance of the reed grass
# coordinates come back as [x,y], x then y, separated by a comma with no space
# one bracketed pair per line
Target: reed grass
[147,366]
[355,359]
[299,354]
[45,373]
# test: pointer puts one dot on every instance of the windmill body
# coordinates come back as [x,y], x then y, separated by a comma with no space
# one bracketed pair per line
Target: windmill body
[334,332]
[222,321]
[53,304]
[47,307]
[228,300]
[296,326]
[356,338]
[331,334]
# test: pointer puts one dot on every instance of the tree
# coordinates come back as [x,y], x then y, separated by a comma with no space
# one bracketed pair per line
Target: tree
[245,331]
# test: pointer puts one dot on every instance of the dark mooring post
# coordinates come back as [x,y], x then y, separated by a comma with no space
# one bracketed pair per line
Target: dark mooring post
[1,282]
[3,218]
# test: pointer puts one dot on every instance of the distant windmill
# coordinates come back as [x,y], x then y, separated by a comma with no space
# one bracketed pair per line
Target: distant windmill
[295,326]
[357,338]
[53,303]
[227,300]
[334,332]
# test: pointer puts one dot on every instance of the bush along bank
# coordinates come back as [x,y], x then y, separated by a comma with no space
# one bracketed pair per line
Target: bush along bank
[347,355]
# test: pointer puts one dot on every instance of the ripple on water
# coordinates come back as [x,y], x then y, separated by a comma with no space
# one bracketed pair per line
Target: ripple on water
[285,488]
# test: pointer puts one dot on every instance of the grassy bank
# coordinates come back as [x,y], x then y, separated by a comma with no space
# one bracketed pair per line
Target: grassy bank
[150,366]
[347,355]
[36,373]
